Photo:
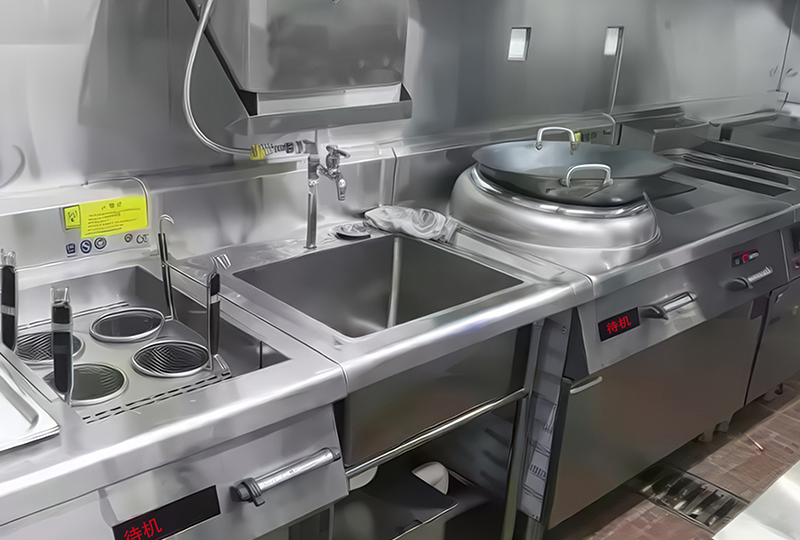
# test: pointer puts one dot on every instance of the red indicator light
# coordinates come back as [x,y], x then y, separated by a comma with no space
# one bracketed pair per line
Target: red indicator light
[619,324]
[147,530]
[170,519]
[744,257]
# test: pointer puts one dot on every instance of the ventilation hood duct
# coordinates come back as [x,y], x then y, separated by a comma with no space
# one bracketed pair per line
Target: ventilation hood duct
[306,64]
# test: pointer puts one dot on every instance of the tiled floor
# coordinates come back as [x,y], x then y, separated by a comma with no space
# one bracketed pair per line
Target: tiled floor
[732,461]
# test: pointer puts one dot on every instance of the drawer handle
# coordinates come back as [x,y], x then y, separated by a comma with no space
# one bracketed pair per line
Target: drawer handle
[743,283]
[252,489]
[662,310]
[585,386]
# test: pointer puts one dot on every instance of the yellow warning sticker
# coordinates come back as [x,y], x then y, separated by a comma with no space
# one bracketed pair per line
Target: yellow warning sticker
[107,218]
[72,217]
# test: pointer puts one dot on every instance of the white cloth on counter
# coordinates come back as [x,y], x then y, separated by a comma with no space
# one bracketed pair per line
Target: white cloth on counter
[423,223]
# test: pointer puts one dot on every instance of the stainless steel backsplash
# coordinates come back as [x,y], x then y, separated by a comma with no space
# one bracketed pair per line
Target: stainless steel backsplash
[92,87]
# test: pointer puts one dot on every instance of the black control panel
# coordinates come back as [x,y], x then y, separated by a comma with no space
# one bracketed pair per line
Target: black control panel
[618,324]
[171,518]
[744,257]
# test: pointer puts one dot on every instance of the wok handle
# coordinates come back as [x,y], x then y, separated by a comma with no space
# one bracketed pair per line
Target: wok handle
[573,141]
[607,181]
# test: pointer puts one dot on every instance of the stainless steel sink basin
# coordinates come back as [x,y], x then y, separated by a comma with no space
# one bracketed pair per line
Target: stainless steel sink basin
[415,326]
[362,288]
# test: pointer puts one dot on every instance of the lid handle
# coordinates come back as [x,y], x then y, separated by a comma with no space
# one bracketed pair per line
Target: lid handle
[572,139]
[605,169]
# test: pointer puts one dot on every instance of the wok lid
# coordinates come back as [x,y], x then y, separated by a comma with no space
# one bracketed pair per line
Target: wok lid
[553,159]
[591,193]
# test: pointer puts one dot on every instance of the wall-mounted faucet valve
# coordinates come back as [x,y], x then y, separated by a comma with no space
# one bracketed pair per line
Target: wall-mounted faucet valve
[329,170]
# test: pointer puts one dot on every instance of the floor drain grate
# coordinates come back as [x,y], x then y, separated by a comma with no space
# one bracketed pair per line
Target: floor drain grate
[689,496]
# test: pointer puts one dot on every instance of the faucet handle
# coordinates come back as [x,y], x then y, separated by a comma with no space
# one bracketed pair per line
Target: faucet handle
[335,154]
[334,150]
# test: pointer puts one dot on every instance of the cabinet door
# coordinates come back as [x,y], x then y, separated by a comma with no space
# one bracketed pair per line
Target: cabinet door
[624,418]
[779,354]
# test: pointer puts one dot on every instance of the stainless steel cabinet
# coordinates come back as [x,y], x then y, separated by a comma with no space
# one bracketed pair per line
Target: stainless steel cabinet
[375,419]
[778,355]
[624,418]
[224,466]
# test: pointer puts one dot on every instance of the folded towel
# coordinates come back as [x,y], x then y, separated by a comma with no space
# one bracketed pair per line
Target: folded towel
[423,223]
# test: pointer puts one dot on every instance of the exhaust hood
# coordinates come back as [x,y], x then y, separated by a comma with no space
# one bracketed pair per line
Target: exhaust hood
[299,64]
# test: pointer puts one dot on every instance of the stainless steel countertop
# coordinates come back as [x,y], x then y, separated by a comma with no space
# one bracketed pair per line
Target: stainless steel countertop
[325,367]
[86,457]
[711,218]
[546,289]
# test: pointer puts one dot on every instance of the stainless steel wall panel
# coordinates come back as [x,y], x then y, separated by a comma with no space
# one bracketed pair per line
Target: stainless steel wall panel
[790,81]
[91,87]
[223,207]
[33,224]
[85,89]
[458,72]
[427,179]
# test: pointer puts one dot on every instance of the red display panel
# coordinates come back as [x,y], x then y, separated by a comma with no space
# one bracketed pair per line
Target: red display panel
[618,324]
[170,519]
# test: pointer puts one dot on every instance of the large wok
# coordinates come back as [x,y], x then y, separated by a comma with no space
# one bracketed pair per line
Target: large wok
[576,173]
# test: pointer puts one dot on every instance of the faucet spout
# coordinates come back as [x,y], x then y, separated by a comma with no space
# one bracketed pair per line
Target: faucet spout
[341,188]
[331,171]
[311,217]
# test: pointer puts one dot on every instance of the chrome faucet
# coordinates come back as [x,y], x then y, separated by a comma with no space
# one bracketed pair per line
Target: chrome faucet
[329,170]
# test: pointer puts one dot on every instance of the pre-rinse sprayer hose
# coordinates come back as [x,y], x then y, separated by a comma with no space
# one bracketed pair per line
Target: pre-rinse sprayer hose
[205,14]
[257,151]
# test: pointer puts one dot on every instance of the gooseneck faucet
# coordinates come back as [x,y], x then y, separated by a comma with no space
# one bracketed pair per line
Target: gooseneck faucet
[329,170]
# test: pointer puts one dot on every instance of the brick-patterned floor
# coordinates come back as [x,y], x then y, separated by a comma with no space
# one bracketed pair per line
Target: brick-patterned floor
[732,461]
